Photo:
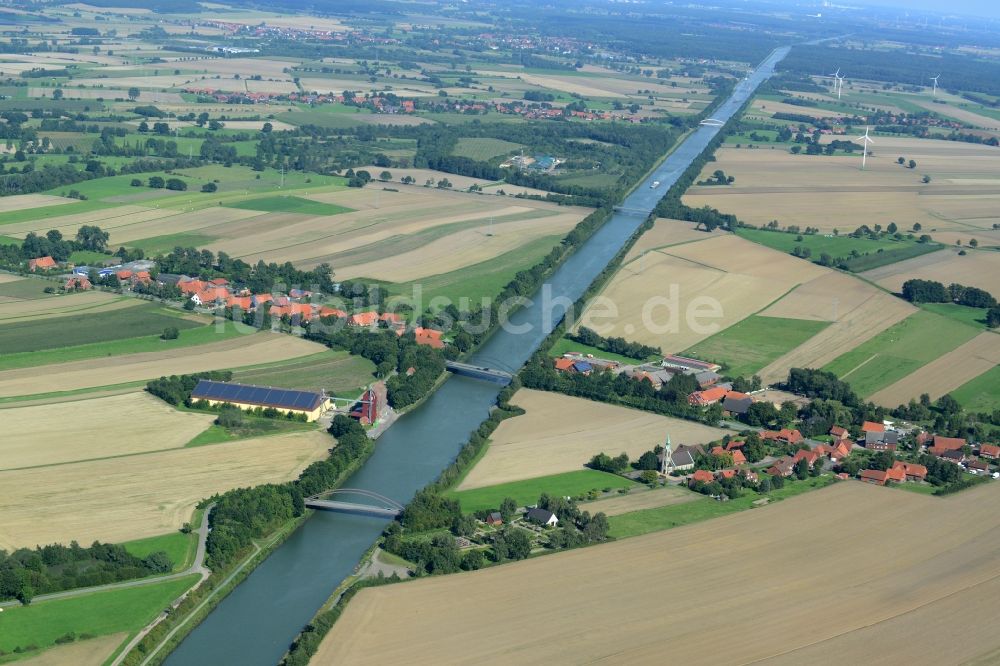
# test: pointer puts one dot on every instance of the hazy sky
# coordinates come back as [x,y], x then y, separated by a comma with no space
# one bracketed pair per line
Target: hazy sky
[989,8]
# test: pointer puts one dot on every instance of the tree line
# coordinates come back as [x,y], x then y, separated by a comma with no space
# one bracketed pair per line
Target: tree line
[613,345]
[27,572]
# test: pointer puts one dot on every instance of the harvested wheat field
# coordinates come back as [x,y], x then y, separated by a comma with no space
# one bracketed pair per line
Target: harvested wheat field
[22,201]
[88,652]
[83,302]
[138,496]
[411,234]
[944,374]
[911,561]
[717,282]
[94,428]
[647,499]
[857,310]
[667,232]
[560,434]
[980,268]
[771,183]
[234,353]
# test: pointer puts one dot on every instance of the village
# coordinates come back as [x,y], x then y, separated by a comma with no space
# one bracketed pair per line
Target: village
[881,453]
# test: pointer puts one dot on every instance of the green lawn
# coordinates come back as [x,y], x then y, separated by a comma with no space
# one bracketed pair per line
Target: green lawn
[483,149]
[289,204]
[963,313]
[27,289]
[252,427]
[899,350]
[97,614]
[103,327]
[981,394]
[645,521]
[482,280]
[874,252]
[339,372]
[179,547]
[529,490]
[564,345]
[156,245]
[749,345]
[89,257]
[148,343]
[54,211]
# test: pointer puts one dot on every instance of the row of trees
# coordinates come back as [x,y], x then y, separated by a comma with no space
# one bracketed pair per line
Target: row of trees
[931,291]
[259,278]
[27,572]
[614,345]
[176,389]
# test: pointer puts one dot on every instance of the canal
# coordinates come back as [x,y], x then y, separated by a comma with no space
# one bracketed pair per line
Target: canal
[254,625]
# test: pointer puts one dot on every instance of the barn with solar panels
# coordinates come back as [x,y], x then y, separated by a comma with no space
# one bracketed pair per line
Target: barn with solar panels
[246,396]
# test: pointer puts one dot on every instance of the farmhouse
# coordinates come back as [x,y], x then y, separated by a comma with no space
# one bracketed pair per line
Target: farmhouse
[210,295]
[701,476]
[77,282]
[247,396]
[494,519]
[989,451]
[835,452]
[363,319]
[839,434]
[542,517]
[869,426]
[809,455]
[912,471]
[782,467]
[707,397]
[784,436]
[41,263]
[429,337]
[942,445]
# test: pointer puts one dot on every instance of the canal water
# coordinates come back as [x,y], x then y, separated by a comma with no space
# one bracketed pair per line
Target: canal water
[254,625]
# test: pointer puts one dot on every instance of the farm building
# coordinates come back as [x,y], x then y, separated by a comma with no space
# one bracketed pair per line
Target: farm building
[247,396]
[41,263]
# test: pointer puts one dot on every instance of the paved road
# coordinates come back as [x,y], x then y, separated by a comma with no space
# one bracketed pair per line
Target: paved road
[197,567]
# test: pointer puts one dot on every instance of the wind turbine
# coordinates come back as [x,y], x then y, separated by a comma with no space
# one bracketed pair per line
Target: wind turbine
[864,151]
[838,82]
[934,79]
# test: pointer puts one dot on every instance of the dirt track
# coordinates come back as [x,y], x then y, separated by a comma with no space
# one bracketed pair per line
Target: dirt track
[791,583]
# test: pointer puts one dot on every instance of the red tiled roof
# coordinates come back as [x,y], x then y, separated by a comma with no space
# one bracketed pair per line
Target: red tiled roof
[244,303]
[738,457]
[837,431]
[391,317]
[989,450]
[429,337]
[809,455]
[218,282]
[331,312]
[869,426]
[948,443]
[873,476]
[78,282]
[708,396]
[564,364]
[191,286]
[363,318]
[41,262]
[702,475]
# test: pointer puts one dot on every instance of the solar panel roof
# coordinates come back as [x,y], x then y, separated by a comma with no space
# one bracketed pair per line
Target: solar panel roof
[257,395]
